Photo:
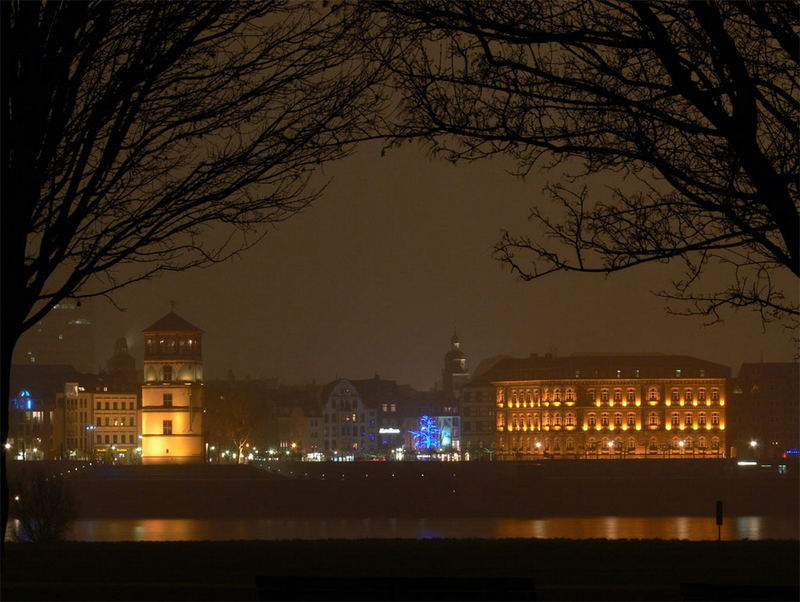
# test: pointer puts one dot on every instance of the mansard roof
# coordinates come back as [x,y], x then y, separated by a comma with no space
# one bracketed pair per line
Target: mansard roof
[600,366]
[172,322]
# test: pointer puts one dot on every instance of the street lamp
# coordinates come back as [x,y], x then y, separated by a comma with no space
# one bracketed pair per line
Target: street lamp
[753,443]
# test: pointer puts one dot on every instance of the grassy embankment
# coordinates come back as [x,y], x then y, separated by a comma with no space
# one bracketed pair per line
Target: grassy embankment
[560,569]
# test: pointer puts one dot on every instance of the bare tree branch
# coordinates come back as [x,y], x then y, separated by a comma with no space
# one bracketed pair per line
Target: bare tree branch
[693,107]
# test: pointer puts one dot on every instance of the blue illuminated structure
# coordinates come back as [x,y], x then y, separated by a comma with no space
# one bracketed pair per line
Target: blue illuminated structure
[429,435]
[23,401]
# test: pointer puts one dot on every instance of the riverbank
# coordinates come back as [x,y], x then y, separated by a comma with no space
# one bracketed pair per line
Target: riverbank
[429,489]
[557,569]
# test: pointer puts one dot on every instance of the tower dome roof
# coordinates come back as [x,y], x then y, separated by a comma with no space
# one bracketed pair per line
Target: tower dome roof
[455,353]
[172,322]
[122,360]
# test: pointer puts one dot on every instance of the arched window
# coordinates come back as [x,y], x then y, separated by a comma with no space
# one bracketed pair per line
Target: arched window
[715,418]
[688,395]
[167,371]
[617,394]
[618,419]
[570,395]
[652,419]
[557,395]
[652,394]
[592,443]
[701,418]
[604,395]
[631,419]
[570,444]
[590,395]
[570,419]
[714,394]
[701,395]
[631,395]
[631,443]
[604,418]
[652,445]
[592,419]
[701,443]
[557,420]
[715,443]
[676,419]
[687,420]
[676,395]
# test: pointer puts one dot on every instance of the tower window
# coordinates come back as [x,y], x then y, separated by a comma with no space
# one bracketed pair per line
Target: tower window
[167,400]
[167,427]
[167,373]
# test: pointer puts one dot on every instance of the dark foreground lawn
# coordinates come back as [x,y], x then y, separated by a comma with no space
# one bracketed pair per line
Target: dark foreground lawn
[557,569]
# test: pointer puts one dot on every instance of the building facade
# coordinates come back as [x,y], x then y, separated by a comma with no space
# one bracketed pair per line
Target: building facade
[764,421]
[349,426]
[116,427]
[606,406]
[172,393]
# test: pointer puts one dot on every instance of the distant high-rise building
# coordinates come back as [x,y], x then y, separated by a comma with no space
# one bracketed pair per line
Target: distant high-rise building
[65,336]
[172,393]
[764,416]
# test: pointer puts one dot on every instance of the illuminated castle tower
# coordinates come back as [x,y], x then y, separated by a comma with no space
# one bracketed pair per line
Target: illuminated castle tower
[172,393]
[455,374]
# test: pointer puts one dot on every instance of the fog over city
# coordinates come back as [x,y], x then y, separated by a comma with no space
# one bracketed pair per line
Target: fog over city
[396,254]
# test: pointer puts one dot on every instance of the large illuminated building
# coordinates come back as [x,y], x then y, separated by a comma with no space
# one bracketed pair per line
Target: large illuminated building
[600,406]
[172,393]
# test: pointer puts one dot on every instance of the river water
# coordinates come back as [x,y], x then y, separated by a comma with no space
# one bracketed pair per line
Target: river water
[609,527]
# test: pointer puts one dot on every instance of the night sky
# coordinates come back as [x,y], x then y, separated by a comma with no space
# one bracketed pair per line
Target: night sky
[395,254]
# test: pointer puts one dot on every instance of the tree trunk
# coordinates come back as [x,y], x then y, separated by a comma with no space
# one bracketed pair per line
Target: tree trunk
[7,343]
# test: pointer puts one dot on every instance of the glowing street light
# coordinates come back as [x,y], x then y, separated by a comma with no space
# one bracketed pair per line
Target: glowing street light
[753,443]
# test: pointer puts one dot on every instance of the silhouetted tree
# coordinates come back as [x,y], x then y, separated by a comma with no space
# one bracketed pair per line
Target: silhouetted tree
[691,107]
[43,507]
[231,419]
[130,128]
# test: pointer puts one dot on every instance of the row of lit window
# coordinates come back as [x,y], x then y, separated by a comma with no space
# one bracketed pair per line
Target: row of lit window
[115,405]
[548,445]
[116,421]
[169,345]
[527,396]
[113,439]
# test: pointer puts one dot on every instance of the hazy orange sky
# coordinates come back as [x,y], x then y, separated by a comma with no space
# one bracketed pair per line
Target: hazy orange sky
[397,252]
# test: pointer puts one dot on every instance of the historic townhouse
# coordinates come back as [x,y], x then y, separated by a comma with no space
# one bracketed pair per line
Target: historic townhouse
[604,406]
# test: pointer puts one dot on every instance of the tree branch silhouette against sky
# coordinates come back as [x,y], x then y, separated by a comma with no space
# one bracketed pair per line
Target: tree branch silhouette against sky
[131,128]
[690,108]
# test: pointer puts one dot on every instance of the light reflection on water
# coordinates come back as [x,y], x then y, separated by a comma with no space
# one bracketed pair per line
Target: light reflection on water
[610,527]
